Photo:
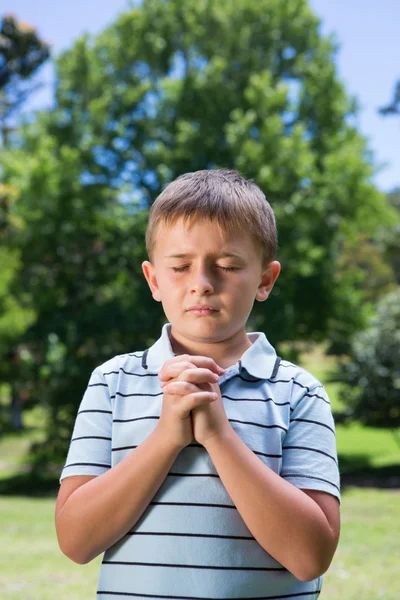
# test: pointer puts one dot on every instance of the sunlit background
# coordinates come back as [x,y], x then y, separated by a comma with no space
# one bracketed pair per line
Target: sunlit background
[130,96]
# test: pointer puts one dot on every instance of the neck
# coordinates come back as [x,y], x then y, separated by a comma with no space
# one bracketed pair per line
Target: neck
[225,353]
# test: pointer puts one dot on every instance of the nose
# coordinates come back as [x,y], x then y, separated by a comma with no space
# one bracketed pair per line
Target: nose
[201,283]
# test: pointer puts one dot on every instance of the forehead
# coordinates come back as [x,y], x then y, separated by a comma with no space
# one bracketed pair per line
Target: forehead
[202,237]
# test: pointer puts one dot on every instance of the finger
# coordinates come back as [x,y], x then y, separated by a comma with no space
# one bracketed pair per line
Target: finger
[180,388]
[197,399]
[206,362]
[172,370]
[190,360]
[198,375]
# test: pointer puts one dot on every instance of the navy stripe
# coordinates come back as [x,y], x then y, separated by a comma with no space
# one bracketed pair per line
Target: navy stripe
[169,597]
[91,437]
[258,424]
[315,396]
[95,410]
[315,422]
[147,395]
[299,476]
[265,400]
[178,566]
[230,420]
[310,396]
[267,455]
[194,535]
[193,504]
[193,475]
[135,419]
[85,464]
[195,446]
[144,359]
[139,374]
[309,449]
[97,385]
[295,383]
[276,367]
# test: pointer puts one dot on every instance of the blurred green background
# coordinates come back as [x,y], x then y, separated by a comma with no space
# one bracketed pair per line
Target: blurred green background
[167,88]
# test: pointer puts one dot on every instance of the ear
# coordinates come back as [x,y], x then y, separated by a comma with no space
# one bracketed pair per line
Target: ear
[150,274]
[268,278]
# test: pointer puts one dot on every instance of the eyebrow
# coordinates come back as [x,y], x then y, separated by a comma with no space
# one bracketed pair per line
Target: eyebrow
[189,255]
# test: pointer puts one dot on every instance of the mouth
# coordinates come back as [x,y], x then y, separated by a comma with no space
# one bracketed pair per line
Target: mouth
[203,311]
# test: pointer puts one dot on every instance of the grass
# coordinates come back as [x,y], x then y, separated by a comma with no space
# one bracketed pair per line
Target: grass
[15,445]
[365,565]
[32,567]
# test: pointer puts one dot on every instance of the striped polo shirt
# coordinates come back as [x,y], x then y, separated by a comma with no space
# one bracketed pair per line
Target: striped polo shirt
[191,542]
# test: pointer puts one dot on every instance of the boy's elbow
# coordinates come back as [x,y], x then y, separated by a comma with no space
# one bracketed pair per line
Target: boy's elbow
[313,570]
[76,555]
[317,561]
[74,551]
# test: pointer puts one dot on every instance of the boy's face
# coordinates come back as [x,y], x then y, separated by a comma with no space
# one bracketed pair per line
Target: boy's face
[197,266]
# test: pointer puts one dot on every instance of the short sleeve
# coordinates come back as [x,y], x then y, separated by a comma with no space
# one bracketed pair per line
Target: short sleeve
[309,454]
[90,448]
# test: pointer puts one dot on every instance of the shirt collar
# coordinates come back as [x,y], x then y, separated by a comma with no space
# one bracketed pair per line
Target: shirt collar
[258,360]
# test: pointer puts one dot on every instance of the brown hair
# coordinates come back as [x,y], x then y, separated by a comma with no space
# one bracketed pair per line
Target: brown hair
[222,196]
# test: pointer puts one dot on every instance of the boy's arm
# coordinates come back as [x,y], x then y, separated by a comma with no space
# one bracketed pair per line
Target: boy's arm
[92,513]
[300,529]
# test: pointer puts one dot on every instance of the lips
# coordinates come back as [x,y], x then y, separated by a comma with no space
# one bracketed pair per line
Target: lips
[203,307]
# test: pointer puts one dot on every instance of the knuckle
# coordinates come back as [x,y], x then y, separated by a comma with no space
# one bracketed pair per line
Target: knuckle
[188,376]
[189,365]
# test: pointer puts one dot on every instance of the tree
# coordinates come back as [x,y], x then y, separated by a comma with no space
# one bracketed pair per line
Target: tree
[253,87]
[173,87]
[16,314]
[371,377]
[388,238]
[394,107]
[22,52]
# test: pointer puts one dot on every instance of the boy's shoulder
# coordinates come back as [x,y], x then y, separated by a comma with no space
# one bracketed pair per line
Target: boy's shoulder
[131,361]
[301,380]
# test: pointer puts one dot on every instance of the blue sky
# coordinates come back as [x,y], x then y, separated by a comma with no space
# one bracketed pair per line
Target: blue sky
[368,61]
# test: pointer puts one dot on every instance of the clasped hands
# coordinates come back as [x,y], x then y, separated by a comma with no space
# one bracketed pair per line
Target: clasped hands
[192,403]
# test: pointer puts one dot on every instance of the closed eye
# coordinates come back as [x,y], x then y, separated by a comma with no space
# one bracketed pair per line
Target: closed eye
[181,269]
[227,268]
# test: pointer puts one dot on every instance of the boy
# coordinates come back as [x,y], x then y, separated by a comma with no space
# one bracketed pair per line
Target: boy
[205,467]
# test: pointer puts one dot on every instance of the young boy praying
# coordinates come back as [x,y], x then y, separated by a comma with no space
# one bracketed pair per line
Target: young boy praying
[205,466]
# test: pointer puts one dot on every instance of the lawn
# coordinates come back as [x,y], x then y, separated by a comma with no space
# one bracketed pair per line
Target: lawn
[365,566]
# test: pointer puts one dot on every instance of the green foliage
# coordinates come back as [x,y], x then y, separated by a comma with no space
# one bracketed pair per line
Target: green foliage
[22,52]
[388,238]
[16,310]
[81,256]
[371,377]
[14,319]
[173,87]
